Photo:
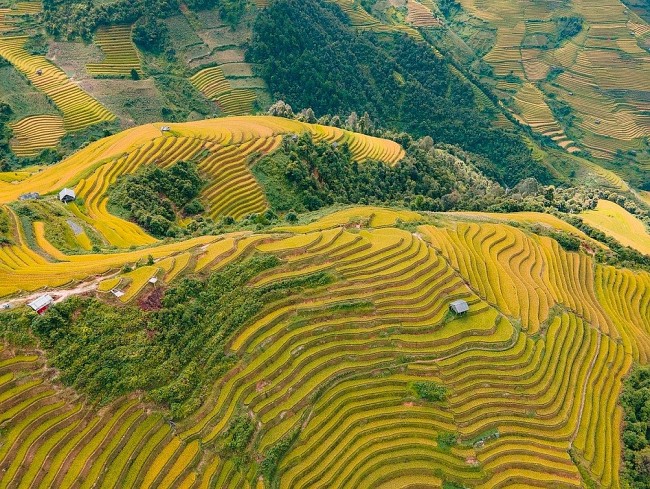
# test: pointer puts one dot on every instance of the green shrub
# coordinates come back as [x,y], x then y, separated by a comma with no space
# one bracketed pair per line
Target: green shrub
[239,434]
[447,440]
[430,391]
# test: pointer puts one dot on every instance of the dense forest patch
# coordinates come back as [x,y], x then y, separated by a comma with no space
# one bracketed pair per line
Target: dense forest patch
[311,57]
[156,197]
[635,400]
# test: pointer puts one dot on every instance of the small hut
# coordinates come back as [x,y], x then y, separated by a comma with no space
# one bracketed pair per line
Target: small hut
[67,195]
[459,307]
[41,304]
[165,129]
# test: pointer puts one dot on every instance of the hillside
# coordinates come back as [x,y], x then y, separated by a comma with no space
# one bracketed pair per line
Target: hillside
[575,72]
[325,374]
[118,64]
[276,244]
[315,351]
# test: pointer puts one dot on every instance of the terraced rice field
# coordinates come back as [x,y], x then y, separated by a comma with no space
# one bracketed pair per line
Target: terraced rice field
[79,109]
[222,148]
[215,86]
[362,20]
[10,17]
[615,221]
[33,134]
[605,71]
[533,369]
[120,54]
[529,218]
[536,113]
[420,15]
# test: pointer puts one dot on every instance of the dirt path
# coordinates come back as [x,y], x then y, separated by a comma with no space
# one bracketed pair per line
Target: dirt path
[59,294]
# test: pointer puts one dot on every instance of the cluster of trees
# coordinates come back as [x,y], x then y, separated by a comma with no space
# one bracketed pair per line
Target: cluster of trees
[5,135]
[153,197]
[237,438]
[305,176]
[430,391]
[617,255]
[311,57]
[568,27]
[449,7]
[150,34]
[635,400]
[5,228]
[79,18]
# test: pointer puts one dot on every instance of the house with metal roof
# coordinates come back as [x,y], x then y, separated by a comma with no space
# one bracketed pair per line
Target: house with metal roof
[67,195]
[41,304]
[459,307]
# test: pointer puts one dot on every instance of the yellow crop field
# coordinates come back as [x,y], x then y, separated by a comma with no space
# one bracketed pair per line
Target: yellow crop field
[19,174]
[420,15]
[524,217]
[215,86]
[532,370]
[79,109]
[541,392]
[120,55]
[618,223]
[36,133]
[11,17]
[109,284]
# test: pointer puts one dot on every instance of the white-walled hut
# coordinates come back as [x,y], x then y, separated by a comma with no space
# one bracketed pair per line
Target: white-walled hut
[459,307]
[41,304]
[67,195]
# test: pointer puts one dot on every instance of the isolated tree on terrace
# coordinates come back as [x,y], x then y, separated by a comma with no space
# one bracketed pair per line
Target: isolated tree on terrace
[352,122]
[365,125]
[307,115]
[281,109]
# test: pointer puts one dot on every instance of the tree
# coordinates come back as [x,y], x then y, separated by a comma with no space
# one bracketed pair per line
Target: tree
[352,122]
[281,109]
[307,115]
[134,74]
[430,391]
[151,34]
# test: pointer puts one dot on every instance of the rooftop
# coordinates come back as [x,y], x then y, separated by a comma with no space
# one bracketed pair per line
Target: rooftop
[66,192]
[41,302]
[459,306]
